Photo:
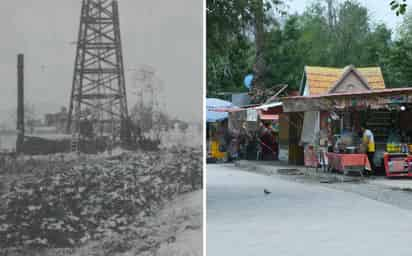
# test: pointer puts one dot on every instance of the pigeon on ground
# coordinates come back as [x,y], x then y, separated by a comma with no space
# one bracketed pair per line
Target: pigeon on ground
[267,192]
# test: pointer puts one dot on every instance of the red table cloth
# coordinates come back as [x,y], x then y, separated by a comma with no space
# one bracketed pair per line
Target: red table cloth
[340,162]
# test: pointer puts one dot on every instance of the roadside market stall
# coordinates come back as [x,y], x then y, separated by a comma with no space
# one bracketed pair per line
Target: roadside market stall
[217,128]
[332,122]
[257,127]
[269,135]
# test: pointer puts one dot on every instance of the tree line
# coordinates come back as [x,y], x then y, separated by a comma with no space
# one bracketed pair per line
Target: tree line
[260,37]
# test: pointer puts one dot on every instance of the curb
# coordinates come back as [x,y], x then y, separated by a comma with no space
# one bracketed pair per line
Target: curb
[308,172]
[402,187]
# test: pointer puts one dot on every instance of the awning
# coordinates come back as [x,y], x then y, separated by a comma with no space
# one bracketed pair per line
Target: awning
[374,99]
[267,116]
[227,110]
[216,116]
[270,111]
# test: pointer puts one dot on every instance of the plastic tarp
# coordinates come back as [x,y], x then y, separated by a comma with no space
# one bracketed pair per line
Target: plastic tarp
[311,127]
[215,104]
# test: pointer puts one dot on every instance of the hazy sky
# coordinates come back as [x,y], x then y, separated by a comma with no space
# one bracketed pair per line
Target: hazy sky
[379,10]
[166,35]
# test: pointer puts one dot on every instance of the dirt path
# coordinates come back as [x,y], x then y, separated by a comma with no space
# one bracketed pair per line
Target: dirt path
[184,215]
[175,231]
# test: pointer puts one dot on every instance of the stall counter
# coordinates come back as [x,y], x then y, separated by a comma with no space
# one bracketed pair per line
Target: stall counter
[348,162]
[397,164]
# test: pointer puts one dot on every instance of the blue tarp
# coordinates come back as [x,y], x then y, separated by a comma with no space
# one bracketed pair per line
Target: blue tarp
[212,116]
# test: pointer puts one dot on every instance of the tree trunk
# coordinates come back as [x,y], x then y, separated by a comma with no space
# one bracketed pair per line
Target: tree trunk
[260,64]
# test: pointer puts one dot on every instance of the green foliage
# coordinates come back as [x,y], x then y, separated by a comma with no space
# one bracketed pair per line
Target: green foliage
[285,54]
[226,69]
[230,51]
[398,58]
[399,6]
[399,63]
[328,33]
[405,29]
[350,32]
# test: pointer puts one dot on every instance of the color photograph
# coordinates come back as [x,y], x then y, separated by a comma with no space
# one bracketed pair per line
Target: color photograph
[308,127]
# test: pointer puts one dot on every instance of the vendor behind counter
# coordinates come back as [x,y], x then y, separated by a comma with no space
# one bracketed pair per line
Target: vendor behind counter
[268,142]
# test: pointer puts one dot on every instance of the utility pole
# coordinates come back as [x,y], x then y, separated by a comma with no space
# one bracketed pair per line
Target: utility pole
[20,103]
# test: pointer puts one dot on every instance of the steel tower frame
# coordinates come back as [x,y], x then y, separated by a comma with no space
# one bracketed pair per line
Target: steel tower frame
[98,88]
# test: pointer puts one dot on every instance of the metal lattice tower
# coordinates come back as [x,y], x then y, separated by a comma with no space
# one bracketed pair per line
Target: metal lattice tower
[98,90]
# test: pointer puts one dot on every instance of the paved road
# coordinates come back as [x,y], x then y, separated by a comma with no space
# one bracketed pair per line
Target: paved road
[298,219]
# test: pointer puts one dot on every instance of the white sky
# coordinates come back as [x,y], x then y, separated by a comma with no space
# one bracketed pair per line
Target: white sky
[379,10]
[166,35]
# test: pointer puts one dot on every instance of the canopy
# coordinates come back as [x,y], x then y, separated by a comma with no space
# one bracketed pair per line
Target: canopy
[213,109]
[374,99]
[268,116]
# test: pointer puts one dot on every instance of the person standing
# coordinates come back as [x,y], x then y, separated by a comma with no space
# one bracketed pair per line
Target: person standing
[368,141]
[267,142]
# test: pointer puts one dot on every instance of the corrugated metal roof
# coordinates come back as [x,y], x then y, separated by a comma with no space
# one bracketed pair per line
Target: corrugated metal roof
[321,79]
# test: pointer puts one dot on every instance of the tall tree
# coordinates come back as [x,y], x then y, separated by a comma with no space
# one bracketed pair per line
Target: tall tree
[351,30]
[399,6]
[244,36]
[399,59]
[236,31]
[405,29]
[259,68]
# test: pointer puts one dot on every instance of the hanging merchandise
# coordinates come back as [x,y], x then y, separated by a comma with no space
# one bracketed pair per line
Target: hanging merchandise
[310,129]
[251,115]
[334,116]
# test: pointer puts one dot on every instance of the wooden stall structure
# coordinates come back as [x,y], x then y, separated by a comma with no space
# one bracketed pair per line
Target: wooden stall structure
[368,107]
[339,100]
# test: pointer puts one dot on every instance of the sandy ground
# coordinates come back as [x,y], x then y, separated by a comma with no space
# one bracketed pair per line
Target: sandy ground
[175,231]
[185,215]
[298,219]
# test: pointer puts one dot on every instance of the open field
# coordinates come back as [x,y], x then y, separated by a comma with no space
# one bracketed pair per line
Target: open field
[102,204]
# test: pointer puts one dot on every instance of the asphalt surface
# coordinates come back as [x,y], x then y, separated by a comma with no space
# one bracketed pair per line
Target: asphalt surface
[298,218]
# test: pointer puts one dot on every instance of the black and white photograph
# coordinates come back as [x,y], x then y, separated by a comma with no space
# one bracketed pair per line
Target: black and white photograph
[101,128]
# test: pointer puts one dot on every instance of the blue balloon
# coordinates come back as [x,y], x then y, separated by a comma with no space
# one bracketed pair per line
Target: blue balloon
[248,81]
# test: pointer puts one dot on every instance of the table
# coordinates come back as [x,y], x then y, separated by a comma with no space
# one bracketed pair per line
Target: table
[348,162]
